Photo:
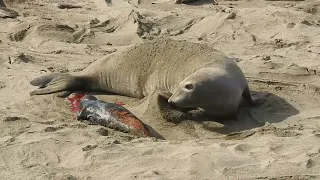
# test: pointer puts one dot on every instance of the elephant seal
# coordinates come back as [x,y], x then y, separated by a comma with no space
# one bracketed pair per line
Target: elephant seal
[187,76]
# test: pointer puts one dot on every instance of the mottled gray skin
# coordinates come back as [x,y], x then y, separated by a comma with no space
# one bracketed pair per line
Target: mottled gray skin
[187,75]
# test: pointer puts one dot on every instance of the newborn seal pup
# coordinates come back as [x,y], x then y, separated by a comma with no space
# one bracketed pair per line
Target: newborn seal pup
[110,115]
[186,75]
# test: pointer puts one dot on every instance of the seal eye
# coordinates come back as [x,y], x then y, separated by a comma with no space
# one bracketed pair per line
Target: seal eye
[188,87]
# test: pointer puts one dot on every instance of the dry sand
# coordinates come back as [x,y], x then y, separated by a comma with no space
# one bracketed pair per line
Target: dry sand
[277,44]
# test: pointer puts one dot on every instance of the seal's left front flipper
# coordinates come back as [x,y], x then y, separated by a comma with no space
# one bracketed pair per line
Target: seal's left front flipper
[168,112]
[260,98]
[254,99]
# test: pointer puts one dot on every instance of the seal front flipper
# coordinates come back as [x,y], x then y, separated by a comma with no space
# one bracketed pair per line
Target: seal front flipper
[248,96]
[169,113]
[57,82]
[260,98]
[254,100]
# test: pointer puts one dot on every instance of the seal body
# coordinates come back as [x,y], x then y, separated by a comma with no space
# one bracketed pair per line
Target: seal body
[110,115]
[169,66]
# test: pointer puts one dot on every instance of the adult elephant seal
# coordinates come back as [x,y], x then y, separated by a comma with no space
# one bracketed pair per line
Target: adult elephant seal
[186,75]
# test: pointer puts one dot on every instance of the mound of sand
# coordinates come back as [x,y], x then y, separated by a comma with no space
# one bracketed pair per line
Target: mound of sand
[277,44]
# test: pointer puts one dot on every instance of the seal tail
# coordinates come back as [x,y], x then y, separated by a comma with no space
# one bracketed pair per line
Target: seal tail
[57,82]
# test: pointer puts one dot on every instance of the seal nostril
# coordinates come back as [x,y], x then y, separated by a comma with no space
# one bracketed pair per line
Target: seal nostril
[188,87]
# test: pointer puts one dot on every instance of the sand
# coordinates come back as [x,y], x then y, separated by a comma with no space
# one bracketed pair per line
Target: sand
[277,44]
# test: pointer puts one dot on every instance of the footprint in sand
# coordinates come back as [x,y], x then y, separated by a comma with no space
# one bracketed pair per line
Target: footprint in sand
[243,148]
[14,118]
[51,31]
[20,57]
[52,128]
[309,7]
[14,125]
[316,133]
[286,133]
[2,85]
[103,131]
[19,32]
[89,147]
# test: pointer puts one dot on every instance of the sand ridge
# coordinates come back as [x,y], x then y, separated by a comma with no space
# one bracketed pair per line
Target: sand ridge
[276,43]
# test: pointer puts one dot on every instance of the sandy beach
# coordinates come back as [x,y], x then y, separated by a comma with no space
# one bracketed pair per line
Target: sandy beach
[276,43]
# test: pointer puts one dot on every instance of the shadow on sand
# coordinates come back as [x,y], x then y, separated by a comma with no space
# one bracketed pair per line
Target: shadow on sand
[274,109]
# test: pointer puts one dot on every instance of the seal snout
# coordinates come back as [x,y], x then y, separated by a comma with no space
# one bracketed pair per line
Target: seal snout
[171,102]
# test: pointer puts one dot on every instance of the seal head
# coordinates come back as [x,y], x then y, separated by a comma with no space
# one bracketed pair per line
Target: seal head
[210,89]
